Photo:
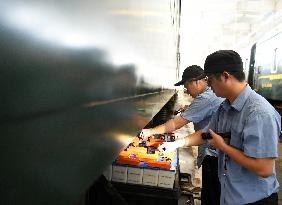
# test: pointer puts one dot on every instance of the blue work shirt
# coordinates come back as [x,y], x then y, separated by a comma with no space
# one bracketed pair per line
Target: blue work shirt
[255,127]
[199,112]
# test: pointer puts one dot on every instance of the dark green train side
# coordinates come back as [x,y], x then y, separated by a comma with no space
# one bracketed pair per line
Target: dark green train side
[265,69]
[78,81]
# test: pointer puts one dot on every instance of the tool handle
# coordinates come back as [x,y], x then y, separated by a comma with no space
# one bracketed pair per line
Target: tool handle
[207,136]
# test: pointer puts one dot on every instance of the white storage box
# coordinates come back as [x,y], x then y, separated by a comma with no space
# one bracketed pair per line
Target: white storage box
[119,173]
[134,175]
[150,176]
[166,178]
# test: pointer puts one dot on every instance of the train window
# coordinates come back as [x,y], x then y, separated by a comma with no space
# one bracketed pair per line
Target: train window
[274,66]
[279,60]
[258,58]
[264,62]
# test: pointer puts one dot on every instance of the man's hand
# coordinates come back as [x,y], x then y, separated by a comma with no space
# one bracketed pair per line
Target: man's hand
[217,141]
[261,166]
[171,146]
[145,133]
[183,108]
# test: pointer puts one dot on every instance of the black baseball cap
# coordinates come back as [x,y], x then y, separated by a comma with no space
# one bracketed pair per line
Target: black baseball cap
[191,73]
[223,60]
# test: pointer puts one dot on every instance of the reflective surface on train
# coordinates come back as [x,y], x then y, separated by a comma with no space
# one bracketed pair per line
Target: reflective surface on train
[78,80]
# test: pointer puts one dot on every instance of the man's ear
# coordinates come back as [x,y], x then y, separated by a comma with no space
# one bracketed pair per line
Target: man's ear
[226,75]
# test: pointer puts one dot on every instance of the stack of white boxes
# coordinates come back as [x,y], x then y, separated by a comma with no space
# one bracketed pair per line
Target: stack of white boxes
[119,173]
[151,176]
[166,178]
[143,175]
[134,175]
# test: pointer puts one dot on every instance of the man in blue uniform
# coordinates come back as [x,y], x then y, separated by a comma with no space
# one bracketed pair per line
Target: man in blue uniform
[246,167]
[204,104]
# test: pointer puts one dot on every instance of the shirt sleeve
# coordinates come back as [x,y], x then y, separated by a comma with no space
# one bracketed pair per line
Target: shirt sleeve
[260,136]
[212,123]
[198,110]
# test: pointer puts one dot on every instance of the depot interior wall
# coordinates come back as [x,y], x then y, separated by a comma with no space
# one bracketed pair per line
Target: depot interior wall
[201,35]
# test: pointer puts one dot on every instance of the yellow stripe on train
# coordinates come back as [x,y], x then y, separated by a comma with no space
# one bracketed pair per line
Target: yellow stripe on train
[266,85]
[271,77]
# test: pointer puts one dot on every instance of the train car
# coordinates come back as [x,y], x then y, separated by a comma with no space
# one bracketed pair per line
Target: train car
[265,71]
[79,80]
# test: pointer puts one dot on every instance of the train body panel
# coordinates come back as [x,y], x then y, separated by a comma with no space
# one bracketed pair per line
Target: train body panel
[78,80]
[265,72]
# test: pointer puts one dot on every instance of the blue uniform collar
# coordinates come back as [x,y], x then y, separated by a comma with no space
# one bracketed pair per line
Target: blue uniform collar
[239,101]
[207,89]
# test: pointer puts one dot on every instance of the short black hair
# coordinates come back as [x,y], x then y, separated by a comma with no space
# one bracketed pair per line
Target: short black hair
[223,60]
[240,75]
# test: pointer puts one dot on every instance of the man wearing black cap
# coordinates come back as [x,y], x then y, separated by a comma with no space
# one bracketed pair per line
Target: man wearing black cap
[199,112]
[246,167]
